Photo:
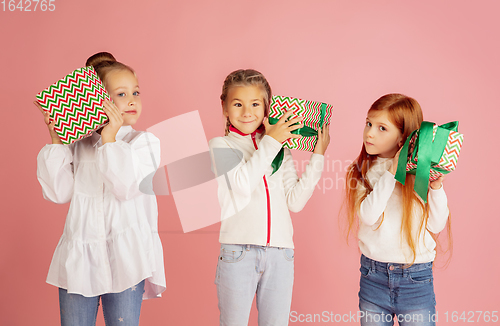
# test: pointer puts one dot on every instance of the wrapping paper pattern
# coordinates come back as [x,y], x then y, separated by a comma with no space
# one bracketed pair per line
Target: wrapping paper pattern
[74,102]
[449,159]
[428,153]
[312,113]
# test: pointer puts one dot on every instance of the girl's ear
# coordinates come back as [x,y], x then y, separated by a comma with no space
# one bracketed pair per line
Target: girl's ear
[401,141]
[223,108]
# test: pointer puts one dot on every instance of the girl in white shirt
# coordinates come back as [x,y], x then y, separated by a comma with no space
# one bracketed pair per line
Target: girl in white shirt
[256,255]
[110,248]
[397,231]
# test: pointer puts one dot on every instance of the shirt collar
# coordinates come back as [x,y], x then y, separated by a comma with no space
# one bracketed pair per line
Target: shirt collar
[124,130]
[259,130]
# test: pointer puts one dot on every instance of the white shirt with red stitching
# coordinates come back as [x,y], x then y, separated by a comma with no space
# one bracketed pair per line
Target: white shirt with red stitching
[242,193]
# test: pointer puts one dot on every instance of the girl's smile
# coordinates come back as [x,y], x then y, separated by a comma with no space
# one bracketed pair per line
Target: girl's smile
[244,106]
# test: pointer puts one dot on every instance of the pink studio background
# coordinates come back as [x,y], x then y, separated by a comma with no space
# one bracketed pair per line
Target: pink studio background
[347,53]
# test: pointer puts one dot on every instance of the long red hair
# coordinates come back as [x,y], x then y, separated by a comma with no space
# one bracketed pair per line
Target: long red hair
[405,113]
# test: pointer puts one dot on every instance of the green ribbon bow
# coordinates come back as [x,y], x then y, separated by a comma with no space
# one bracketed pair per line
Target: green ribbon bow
[429,153]
[305,131]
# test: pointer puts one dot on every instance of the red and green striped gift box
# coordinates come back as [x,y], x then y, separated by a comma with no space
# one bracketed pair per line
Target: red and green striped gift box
[429,152]
[75,103]
[314,113]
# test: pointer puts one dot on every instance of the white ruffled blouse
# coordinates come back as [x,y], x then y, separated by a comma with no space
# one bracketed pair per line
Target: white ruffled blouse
[110,240]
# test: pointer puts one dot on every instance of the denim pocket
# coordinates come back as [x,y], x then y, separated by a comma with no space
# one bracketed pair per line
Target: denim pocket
[217,274]
[231,253]
[289,254]
[421,277]
[365,272]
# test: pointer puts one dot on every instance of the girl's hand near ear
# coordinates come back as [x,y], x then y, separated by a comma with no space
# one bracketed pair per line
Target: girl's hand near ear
[323,140]
[395,161]
[50,124]
[109,131]
[436,184]
[281,131]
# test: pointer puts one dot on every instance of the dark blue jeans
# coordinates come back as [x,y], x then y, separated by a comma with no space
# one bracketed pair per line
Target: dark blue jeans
[121,309]
[389,291]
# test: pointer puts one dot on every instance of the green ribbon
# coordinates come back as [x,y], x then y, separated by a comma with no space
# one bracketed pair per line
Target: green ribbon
[429,152]
[305,131]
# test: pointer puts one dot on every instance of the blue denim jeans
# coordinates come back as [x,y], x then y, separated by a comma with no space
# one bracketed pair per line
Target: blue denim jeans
[244,271]
[120,309]
[389,291]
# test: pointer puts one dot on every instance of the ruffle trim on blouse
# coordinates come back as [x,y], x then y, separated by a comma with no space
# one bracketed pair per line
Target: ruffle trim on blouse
[110,266]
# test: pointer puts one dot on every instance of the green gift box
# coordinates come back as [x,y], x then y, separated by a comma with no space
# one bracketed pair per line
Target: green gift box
[428,153]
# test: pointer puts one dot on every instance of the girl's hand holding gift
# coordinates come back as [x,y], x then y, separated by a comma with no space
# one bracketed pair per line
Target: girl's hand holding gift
[436,184]
[323,140]
[108,133]
[282,130]
[395,161]
[50,124]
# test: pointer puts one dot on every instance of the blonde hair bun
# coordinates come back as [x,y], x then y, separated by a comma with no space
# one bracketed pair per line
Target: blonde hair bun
[100,59]
[105,62]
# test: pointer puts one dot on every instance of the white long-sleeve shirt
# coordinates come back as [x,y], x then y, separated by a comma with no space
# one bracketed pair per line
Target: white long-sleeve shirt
[380,218]
[250,213]
[110,240]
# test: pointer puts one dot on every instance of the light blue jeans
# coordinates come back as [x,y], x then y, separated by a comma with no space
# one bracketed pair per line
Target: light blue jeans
[244,271]
[389,291]
[120,309]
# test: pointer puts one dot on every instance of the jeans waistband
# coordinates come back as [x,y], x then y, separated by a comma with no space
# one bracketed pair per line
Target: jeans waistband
[393,267]
[250,246]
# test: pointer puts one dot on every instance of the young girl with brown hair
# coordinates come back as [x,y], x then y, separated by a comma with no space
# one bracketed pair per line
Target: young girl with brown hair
[397,231]
[256,255]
